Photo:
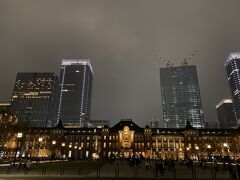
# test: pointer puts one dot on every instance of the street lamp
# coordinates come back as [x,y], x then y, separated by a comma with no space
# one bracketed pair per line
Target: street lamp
[187,152]
[197,153]
[52,149]
[225,146]
[62,151]
[19,136]
[209,148]
[39,141]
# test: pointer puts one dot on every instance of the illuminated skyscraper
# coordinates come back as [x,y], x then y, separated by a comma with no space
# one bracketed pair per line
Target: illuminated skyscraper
[226,116]
[181,100]
[34,99]
[75,92]
[232,65]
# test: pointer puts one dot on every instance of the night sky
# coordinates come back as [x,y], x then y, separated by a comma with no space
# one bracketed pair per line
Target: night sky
[121,37]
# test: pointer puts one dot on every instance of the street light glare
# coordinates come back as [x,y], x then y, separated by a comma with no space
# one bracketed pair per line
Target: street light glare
[19,135]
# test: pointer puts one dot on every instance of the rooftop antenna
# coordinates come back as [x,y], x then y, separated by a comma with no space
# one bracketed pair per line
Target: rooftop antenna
[186,60]
[165,61]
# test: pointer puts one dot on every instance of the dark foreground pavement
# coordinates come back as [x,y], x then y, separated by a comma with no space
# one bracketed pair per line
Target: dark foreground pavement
[121,171]
[22,177]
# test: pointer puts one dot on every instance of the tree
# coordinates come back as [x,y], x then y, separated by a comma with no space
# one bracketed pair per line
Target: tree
[7,128]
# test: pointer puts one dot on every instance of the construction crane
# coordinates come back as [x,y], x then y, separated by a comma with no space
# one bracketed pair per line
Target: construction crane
[166,62]
[186,60]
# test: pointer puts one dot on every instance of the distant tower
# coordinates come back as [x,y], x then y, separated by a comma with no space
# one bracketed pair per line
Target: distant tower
[34,99]
[232,65]
[75,92]
[226,116]
[181,100]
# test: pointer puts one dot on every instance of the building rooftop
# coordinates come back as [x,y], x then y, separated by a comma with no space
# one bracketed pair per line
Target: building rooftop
[68,62]
[231,56]
[224,101]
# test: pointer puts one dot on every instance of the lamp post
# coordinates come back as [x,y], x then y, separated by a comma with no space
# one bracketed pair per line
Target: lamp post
[187,152]
[208,150]
[18,145]
[62,151]
[197,148]
[225,145]
[70,151]
[39,144]
[52,149]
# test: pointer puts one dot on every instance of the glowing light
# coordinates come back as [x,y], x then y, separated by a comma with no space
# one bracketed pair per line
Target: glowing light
[19,135]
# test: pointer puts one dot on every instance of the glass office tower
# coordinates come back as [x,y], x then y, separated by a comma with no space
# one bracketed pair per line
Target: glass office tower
[226,115]
[181,100]
[75,92]
[34,99]
[232,65]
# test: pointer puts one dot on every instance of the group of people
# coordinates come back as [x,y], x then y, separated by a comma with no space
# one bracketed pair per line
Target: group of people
[24,164]
[161,166]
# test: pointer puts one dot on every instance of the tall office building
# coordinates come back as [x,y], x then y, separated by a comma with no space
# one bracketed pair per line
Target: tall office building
[226,116]
[75,92]
[181,100]
[232,65]
[34,99]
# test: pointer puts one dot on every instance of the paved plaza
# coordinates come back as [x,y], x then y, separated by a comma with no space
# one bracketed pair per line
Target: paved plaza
[120,170]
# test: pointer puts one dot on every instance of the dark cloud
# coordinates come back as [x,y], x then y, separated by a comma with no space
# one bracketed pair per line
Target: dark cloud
[121,37]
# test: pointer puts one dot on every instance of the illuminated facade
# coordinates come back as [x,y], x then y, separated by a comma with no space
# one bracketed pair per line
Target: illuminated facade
[232,65]
[33,99]
[75,94]
[181,100]
[226,115]
[125,139]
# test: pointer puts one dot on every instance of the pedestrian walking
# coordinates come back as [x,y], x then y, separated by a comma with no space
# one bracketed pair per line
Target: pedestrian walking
[230,169]
[147,164]
[215,167]
[29,164]
[20,164]
[161,168]
[156,167]
[238,170]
